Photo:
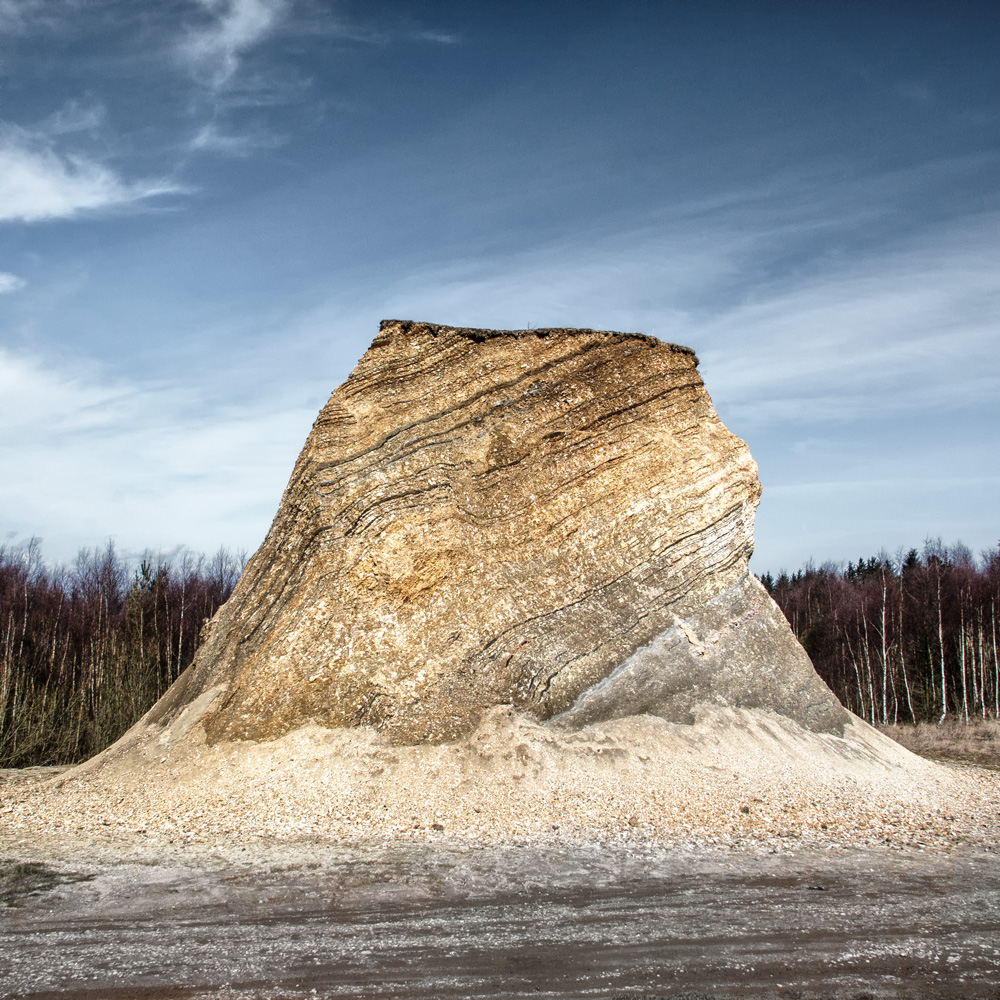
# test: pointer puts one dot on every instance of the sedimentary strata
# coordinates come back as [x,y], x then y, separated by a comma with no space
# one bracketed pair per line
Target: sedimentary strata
[551,519]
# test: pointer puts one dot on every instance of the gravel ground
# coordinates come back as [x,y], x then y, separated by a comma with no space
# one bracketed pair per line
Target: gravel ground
[455,922]
[738,857]
[735,778]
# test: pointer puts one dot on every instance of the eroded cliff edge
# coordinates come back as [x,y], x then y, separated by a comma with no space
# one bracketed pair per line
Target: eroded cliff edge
[553,519]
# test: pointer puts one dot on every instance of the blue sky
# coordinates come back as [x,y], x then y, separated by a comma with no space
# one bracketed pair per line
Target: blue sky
[206,206]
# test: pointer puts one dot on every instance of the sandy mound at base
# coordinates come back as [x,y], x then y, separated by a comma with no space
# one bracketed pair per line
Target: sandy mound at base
[735,776]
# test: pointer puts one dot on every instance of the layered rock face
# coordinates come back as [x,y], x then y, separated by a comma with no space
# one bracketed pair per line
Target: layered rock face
[554,519]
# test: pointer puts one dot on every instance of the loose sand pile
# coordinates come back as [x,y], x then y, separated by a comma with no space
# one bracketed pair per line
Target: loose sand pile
[736,777]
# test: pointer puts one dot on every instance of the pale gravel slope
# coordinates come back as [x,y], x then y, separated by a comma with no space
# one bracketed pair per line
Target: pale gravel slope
[736,777]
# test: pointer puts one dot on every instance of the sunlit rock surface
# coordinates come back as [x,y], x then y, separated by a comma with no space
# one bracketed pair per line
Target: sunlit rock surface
[551,519]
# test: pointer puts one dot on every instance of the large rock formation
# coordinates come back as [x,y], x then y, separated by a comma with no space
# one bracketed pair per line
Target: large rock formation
[554,519]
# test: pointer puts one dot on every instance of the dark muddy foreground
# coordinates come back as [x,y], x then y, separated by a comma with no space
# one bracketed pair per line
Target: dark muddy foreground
[445,922]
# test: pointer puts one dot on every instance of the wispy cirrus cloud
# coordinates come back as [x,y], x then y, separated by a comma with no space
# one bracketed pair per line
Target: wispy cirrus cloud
[35,395]
[214,52]
[215,49]
[440,37]
[74,117]
[211,139]
[143,458]
[38,183]
[10,283]
[909,327]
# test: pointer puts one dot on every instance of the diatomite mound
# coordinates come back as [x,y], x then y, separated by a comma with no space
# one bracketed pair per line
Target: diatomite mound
[554,520]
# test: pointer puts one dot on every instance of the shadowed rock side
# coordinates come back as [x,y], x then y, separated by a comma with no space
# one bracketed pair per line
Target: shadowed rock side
[735,650]
[554,519]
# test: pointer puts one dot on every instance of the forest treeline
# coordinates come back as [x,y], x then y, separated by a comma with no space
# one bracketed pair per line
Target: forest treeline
[905,639]
[86,649]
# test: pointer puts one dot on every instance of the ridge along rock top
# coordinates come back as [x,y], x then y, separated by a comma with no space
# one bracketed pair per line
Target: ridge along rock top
[553,519]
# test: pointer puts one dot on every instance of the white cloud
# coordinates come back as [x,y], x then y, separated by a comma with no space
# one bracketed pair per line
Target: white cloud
[861,337]
[74,116]
[210,139]
[10,283]
[38,183]
[36,396]
[89,457]
[216,49]
[440,37]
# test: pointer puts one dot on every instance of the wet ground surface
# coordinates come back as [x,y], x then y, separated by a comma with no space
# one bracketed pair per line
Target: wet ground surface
[443,922]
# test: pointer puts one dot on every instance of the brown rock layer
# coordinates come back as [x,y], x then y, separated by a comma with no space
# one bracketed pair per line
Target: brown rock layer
[554,519]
